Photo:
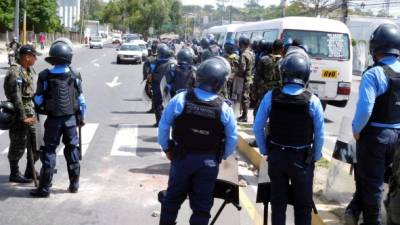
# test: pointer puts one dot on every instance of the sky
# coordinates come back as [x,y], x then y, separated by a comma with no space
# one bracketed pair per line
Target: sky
[394,10]
[236,3]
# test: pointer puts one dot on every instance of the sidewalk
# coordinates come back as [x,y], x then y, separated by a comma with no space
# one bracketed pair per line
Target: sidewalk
[45,51]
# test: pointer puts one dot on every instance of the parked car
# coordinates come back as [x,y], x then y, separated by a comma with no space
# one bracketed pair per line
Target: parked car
[129,52]
[96,42]
[116,40]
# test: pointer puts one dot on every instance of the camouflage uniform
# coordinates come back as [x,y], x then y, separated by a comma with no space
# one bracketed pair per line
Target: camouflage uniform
[246,65]
[19,89]
[393,203]
[267,77]
[233,60]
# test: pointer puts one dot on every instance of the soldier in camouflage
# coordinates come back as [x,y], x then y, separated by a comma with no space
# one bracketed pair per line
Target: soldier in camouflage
[246,65]
[267,73]
[393,200]
[18,88]
[233,60]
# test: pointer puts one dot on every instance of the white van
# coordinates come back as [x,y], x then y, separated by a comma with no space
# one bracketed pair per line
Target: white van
[329,46]
[222,33]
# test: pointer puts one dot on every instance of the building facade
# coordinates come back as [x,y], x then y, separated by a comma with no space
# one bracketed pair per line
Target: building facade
[69,13]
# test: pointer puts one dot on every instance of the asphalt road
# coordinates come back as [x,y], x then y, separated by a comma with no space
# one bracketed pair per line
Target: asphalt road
[123,167]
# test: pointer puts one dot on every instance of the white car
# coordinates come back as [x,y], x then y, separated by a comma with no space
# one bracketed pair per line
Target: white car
[116,39]
[96,42]
[143,46]
[129,52]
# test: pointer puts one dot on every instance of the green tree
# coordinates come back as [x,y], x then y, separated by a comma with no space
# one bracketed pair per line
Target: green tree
[112,14]
[95,9]
[6,15]
[42,16]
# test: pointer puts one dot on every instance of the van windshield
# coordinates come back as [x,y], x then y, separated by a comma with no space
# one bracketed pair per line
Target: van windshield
[324,45]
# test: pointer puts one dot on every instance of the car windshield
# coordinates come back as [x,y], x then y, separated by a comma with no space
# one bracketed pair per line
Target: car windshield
[324,45]
[142,47]
[130,48]
[96,40]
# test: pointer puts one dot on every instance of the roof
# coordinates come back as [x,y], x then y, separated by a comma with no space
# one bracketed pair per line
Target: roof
[303,23]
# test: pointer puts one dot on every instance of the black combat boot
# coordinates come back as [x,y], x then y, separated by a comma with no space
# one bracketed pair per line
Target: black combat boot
[150,111]
[43,191]
[15,175]
[158,114]
[243,117]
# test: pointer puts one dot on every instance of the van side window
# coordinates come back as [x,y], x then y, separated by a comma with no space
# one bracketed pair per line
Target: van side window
[270,35]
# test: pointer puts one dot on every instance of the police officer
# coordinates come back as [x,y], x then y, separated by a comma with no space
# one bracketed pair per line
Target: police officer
[59,96]
[246,65]
[204,132]
[19,90]
[294,141]
[206,52]
[233,59]
[159,68]
[151,59]
[376,124]
[181,76]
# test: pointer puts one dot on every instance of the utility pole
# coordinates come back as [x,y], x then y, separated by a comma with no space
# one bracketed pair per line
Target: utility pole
[345,11]
[24,25]
[283,6]
[387,7]
[16,20]
[82,20]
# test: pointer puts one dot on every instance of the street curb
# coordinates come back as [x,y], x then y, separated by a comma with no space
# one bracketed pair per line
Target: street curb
[255,158]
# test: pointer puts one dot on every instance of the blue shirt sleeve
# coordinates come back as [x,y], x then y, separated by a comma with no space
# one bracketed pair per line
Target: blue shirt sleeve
[229,121]
[373,83]
[172,110]
[260,122]
[317,115]
[82,106]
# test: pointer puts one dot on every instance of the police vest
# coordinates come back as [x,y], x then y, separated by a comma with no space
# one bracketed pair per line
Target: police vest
[387,106]
[61,95]
[290,120]
[183,78]
[199,127]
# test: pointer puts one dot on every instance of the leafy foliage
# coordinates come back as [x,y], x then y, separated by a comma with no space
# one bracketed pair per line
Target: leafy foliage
[6,15]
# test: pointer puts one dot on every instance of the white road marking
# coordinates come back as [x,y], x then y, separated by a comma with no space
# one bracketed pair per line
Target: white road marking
[79,68]
[88,132]
[2,76]
[96,65]
[125,141]
[113,83]
[93,61]
[103,55]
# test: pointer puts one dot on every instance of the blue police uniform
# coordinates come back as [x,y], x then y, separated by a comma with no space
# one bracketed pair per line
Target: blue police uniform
[287,162]
[375,147]
[157,71]
[56,127]
[194,174]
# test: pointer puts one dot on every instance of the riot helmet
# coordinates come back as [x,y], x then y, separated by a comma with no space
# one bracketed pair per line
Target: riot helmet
[195,41]
[185,56]
[385,39]
[229,46]
[7,115]
[244,41]
[295,68]
[212,74]
[163,51]
[265,46]
[60,52]
[205,43]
